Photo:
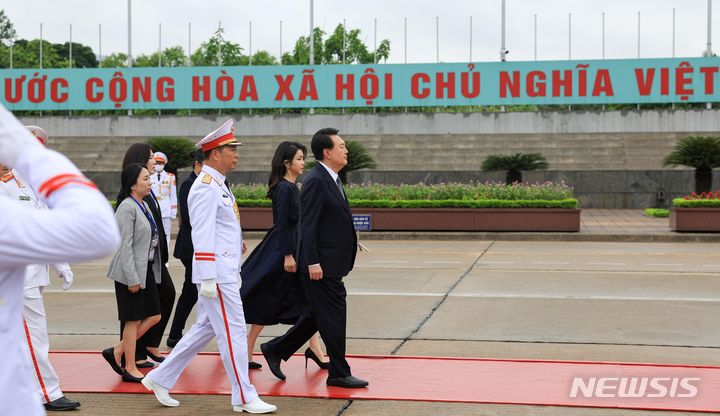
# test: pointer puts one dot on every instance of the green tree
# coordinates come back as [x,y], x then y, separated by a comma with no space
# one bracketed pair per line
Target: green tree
[699,152]
[26,54]
[116,60]
[180,151]
[301,52]
[514,165]
[263,57]
[355,49]
[174,56]
[229,53]
[83,55]
[7,30]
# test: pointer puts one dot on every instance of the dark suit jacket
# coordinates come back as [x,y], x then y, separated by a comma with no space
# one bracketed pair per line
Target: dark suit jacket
[183,245]
[326,231]
[155,210]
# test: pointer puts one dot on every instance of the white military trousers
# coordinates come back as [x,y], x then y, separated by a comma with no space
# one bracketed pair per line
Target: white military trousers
[167,225]
[222,318]
[38,343]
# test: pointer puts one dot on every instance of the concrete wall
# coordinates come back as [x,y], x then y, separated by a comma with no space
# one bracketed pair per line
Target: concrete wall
[613,159]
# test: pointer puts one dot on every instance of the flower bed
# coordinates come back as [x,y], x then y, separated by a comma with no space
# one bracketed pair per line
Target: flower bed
[444,207]
[696,213]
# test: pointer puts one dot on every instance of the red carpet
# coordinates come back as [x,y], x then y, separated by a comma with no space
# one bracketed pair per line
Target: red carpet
[651,386]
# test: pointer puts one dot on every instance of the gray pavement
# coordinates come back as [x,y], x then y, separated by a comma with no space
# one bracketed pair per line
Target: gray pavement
[597,301]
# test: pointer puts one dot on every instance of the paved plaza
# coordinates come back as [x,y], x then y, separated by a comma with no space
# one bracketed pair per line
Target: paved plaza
[655,302]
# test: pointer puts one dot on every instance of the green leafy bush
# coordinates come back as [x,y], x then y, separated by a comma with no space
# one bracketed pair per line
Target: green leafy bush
[179,150]
[696,203]
[657,212]
[453,195]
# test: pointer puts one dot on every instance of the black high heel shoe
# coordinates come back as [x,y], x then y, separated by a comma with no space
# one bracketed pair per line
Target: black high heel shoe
[311,355]
[154,357]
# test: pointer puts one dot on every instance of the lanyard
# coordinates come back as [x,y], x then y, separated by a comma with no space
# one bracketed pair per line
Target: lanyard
[147,215]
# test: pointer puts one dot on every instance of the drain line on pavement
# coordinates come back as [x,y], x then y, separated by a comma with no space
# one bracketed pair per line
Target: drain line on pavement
[344,408]
[442,300]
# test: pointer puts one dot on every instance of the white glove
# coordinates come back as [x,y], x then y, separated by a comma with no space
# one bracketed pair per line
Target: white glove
[15,139]
[67,279]
[208,288]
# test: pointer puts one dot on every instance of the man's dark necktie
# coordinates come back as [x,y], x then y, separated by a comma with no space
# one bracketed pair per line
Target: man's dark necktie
[340,187]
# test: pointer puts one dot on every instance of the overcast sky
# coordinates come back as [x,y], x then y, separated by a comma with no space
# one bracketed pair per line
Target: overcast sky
[621,26]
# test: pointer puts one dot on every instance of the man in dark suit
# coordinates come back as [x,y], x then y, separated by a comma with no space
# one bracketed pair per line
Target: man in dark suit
[327,246]
[184,251]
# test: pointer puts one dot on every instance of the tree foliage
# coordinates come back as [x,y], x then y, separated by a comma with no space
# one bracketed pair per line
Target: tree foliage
[330,50]
[180,151]
[514,164]
[699,152]
[7,30]
[173,56]
[82,55]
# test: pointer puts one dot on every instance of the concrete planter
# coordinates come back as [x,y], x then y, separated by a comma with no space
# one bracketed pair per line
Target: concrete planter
[447,219]
[696,220]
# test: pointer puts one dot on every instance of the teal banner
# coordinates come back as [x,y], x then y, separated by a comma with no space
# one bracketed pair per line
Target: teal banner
[635,81]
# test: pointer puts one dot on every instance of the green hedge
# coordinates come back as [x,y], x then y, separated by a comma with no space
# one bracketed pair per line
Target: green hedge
[446,191]
[448,203]
[696,203]
[657,212]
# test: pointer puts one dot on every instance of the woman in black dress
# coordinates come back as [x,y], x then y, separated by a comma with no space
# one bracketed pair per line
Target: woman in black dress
[271,291]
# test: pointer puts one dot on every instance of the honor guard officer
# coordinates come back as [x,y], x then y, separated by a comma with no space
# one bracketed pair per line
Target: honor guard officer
[164,185]
[37,277]
[218,245]
[78,226]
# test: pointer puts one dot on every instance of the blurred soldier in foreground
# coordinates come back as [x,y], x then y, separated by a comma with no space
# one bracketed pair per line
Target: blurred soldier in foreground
[78,226]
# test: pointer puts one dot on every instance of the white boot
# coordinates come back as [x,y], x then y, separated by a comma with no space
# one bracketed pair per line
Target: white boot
[161,393]
[255,406]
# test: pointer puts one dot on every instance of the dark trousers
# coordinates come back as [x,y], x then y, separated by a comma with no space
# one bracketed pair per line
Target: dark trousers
[186,302]
[152,338]
[328,314]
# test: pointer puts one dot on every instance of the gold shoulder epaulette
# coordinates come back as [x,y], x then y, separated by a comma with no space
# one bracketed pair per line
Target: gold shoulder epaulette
[207,179]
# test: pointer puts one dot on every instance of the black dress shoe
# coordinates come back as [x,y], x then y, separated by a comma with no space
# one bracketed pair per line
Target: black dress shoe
[146,364]
[348,382]
[109,356]
[131,378]
[61,404]
[252,365]
[172,342]
[273,361]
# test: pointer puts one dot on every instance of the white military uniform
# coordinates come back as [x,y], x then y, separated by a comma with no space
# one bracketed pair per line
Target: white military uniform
[78,226]
[37,277]
[217,239]
[164,185]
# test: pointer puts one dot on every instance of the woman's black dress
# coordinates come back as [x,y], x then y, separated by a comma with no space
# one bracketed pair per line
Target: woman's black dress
[270,295]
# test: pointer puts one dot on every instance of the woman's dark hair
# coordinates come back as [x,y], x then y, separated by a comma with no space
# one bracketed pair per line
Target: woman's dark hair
[128,178]
[137,153]
[285,152]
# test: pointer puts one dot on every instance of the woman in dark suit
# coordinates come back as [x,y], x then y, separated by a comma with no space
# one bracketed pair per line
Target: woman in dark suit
[149,344]
[271,291]
[135,268]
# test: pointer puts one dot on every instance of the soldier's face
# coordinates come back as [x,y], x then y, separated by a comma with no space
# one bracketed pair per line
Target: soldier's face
[228,157]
